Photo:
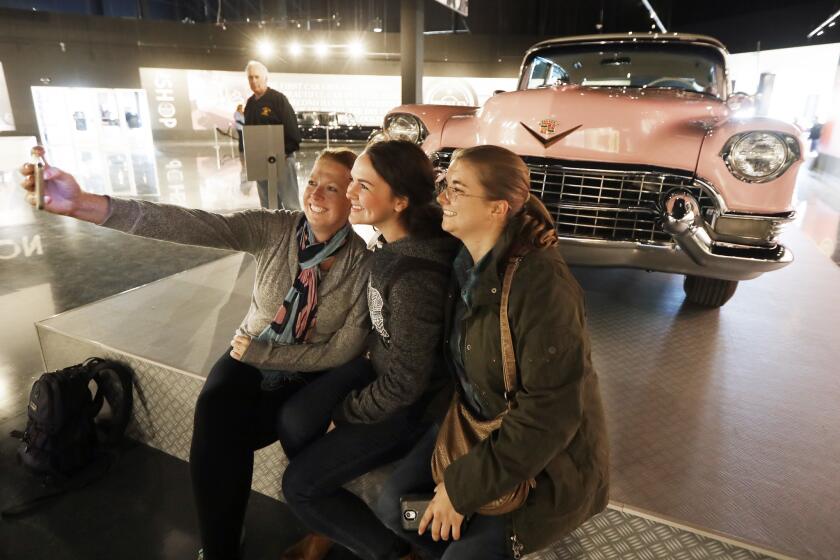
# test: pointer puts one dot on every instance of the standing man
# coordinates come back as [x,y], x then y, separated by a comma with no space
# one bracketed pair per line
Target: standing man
[269,106]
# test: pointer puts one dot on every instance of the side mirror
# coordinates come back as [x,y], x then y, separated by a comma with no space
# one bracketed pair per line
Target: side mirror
[740,101]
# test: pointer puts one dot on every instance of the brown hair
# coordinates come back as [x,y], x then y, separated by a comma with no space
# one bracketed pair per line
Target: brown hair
[409,173]
[341,156]
[505,176]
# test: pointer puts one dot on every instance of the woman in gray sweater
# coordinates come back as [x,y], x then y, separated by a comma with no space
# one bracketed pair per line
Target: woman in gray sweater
[308,314]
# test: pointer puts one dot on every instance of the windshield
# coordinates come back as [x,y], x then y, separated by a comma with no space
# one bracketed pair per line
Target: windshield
[346,119]
[308,118]
[326,118]
[671,66]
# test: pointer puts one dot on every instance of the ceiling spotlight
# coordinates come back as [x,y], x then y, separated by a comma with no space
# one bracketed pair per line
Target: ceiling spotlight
[356,49]
[321,49]
[376,25]
[295,49]
[265,48]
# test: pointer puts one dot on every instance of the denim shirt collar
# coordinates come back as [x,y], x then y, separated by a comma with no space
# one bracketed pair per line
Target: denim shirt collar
[483,281]
[467,273]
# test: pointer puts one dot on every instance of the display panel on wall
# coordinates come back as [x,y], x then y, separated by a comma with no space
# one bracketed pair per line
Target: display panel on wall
[803,86]
[7,120]
[460,6]
[203,99]
[100,135]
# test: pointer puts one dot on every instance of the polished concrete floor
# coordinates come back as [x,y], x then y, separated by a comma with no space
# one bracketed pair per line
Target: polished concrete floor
[51,264]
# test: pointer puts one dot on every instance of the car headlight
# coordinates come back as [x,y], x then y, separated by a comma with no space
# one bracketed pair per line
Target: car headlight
[760,156]
[377,135]
[405,127]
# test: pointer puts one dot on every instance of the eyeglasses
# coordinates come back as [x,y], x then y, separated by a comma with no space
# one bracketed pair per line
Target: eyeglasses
[452,194]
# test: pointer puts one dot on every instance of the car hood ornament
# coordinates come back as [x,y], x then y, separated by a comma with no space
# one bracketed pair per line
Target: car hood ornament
[547,133]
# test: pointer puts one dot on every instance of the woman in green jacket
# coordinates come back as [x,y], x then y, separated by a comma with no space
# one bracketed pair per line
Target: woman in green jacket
[555,431]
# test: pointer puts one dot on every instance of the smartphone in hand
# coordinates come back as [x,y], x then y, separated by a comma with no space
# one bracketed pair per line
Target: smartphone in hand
[38,176]
[412,508]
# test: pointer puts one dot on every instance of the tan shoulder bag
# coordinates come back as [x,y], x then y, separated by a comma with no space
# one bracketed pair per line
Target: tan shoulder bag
[461,430]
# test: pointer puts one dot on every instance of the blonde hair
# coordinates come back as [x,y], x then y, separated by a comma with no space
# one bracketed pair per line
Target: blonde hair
[341,156]
[505,176]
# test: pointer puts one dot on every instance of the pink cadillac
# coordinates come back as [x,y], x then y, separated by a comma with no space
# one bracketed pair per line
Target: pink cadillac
[635,145]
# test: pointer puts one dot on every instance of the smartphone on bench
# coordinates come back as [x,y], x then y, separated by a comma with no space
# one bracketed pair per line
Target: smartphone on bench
[412,508]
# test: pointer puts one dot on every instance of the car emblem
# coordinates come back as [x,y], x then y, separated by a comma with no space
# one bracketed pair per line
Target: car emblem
[547,126]
[547,134]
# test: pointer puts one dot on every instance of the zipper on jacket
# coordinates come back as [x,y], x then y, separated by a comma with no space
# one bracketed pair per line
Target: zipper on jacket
[516,546]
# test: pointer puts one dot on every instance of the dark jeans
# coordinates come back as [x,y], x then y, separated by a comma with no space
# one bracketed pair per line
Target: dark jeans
[485,536]
[233,418]
[322,464]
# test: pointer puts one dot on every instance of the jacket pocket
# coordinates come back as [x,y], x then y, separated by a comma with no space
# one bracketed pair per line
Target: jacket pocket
[567,481]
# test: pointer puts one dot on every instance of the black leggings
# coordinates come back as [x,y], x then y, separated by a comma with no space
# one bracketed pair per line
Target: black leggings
[233,418]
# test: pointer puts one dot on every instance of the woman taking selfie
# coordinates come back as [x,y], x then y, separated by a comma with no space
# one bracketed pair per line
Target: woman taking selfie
[308,313]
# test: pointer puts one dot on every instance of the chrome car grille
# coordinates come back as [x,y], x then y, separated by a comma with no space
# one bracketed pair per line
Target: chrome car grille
[605,204]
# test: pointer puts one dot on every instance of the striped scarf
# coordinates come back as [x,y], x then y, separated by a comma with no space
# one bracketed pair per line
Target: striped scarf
[296,315]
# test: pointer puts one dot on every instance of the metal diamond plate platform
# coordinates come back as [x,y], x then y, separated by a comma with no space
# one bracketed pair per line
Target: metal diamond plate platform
[614,535]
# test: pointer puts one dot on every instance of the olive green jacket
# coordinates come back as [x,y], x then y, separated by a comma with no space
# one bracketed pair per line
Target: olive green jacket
[556,432]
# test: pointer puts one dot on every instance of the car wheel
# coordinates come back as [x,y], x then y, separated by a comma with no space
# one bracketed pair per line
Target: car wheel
[708,292]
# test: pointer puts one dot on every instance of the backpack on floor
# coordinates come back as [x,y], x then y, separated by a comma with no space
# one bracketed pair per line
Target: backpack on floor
[62,434]
[65,431]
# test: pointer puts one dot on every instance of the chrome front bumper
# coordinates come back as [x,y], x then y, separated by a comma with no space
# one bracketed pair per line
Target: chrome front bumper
[692,252]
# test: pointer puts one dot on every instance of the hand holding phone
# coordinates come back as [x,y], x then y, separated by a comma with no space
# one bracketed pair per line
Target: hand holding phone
[38,163]
[52,190]
[412,508]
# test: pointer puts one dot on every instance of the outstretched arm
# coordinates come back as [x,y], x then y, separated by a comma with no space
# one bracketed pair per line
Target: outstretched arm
[239,231]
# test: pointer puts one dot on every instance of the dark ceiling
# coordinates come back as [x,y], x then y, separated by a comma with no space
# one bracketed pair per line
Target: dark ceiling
[741,25]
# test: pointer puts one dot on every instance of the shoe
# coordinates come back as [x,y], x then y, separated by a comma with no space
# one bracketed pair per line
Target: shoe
[310,547]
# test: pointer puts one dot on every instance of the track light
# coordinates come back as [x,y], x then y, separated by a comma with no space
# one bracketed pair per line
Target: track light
[653,15]
[265,48]
[827,23]
[356,49]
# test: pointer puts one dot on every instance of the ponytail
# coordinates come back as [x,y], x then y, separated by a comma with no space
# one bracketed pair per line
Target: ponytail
[537,227]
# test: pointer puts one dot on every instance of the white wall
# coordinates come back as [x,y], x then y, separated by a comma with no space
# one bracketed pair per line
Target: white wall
[804,84]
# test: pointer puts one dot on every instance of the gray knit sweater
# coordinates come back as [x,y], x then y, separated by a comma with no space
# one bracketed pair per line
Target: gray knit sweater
[407,292]
[341,322]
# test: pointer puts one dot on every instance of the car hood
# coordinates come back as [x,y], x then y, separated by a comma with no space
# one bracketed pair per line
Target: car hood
[663,128]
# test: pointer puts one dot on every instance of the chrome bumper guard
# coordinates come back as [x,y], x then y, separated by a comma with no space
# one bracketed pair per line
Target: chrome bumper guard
[693,252]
